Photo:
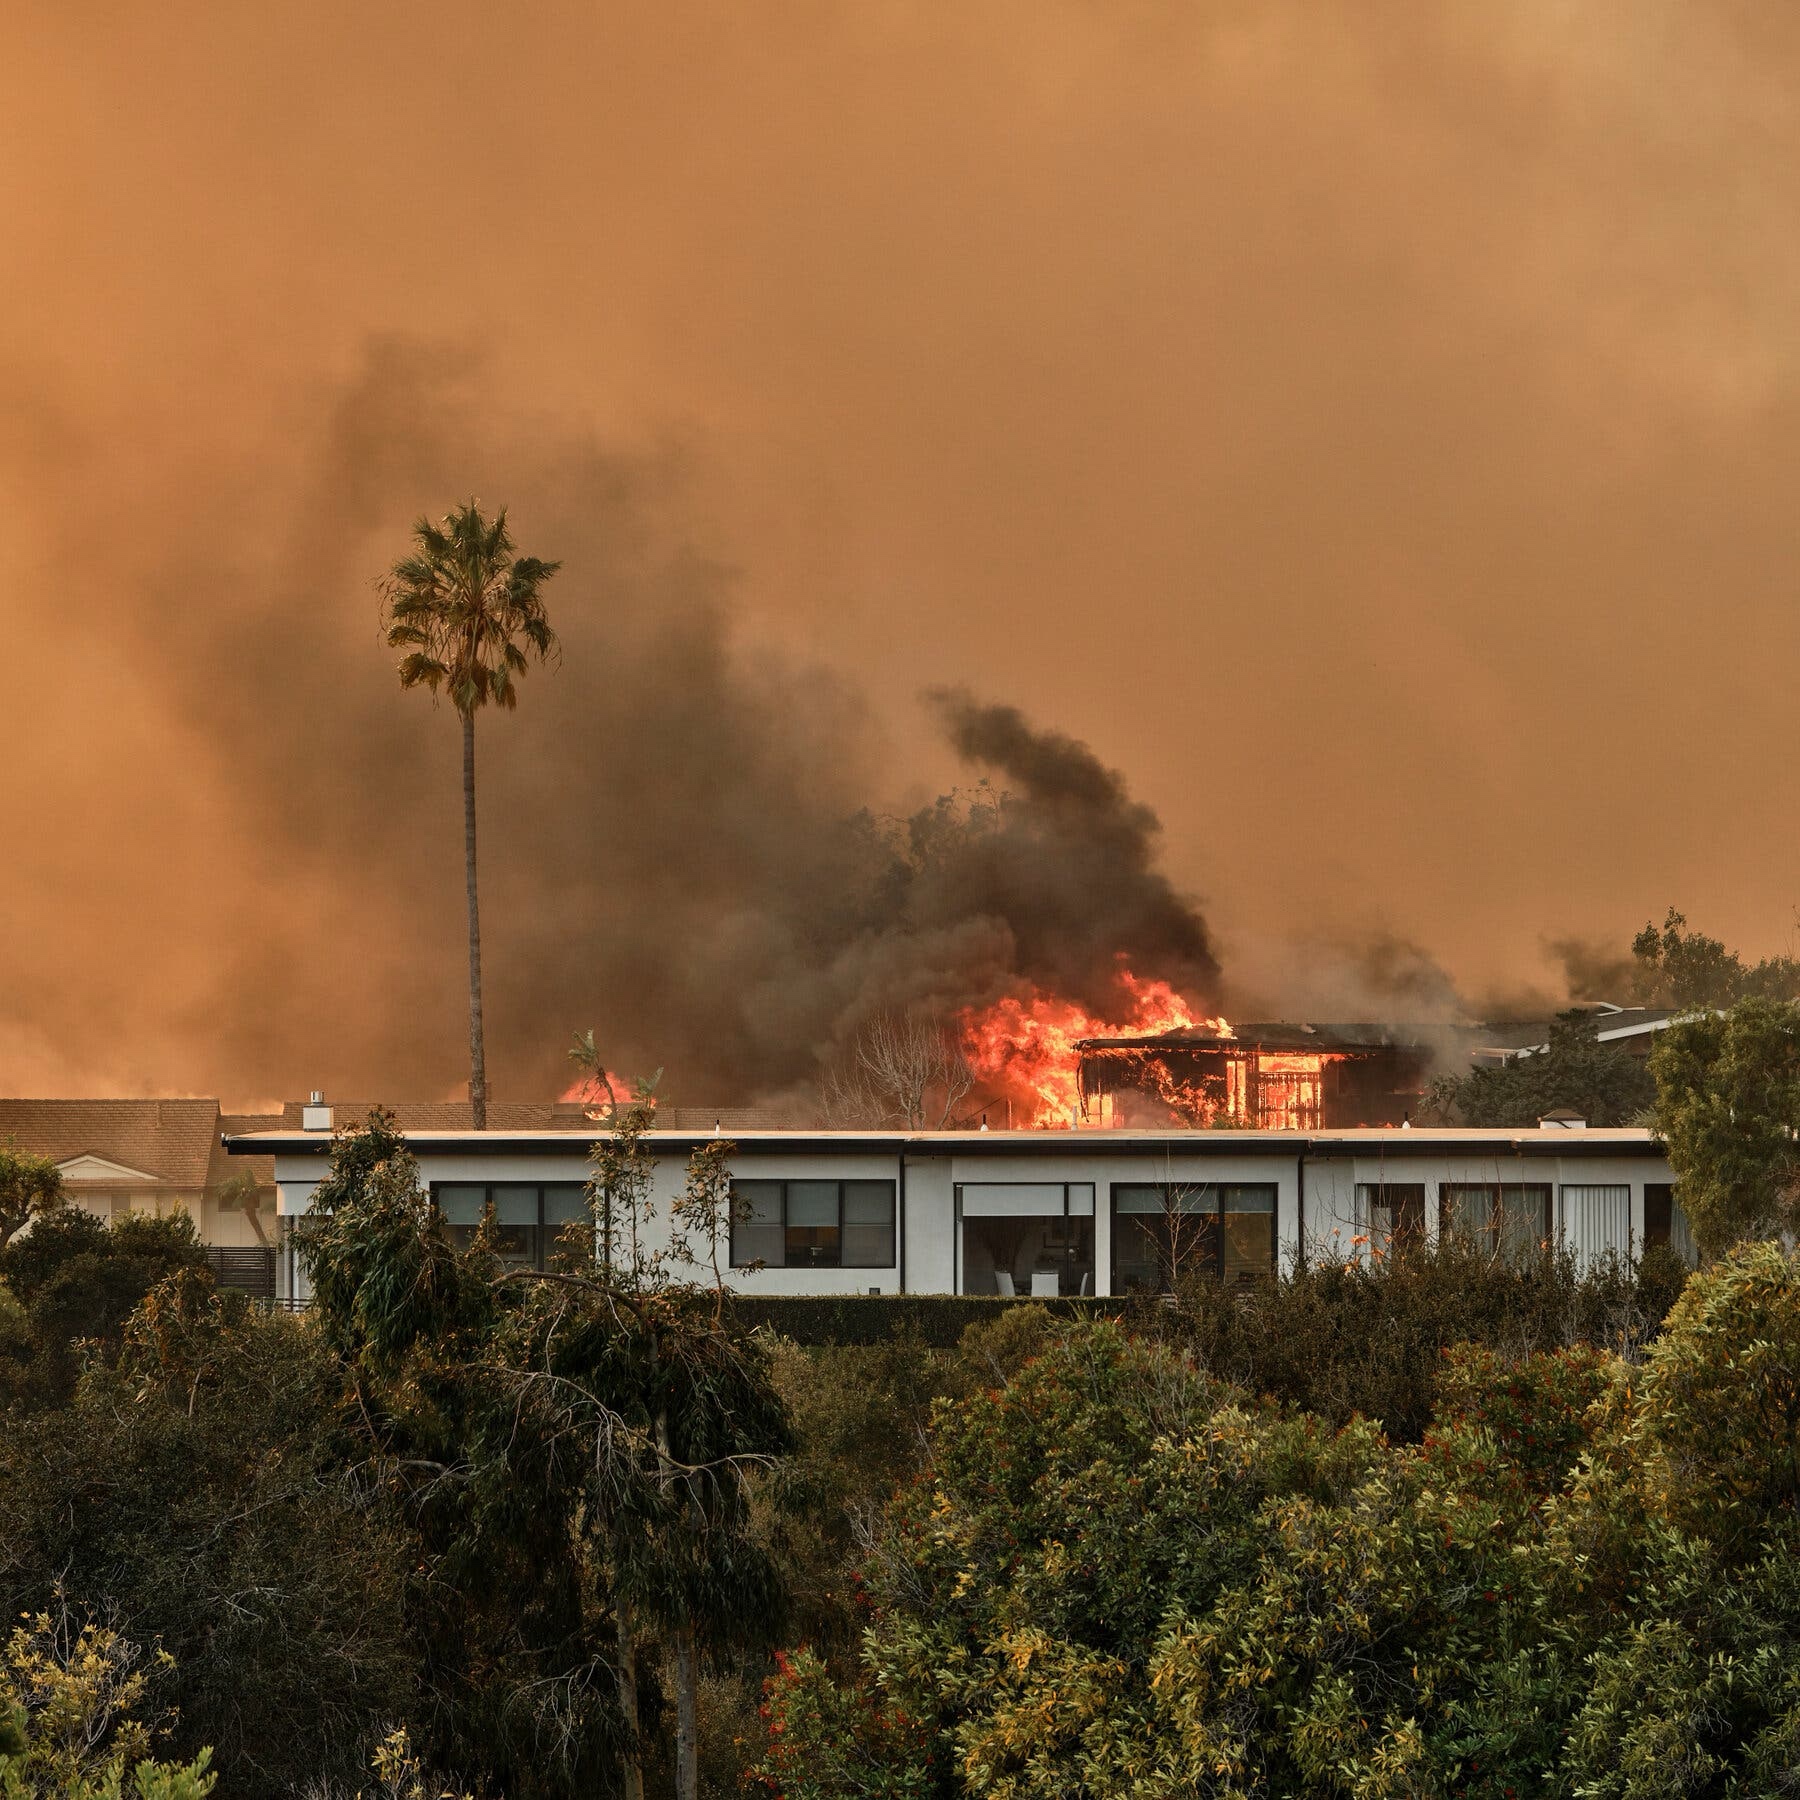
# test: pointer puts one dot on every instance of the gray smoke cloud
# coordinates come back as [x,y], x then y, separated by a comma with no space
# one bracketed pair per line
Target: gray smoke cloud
[1069,860]
[682,844]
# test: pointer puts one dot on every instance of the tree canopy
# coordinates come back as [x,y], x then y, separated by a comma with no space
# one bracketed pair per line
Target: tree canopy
[1122,1577]
[30,1186]
[1728,1108]
[576,1448]
[1601,1083]
[468,610]
[1674,966]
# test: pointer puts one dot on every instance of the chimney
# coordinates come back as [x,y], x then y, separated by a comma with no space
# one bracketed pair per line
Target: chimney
[1563,1119]
[315,1115]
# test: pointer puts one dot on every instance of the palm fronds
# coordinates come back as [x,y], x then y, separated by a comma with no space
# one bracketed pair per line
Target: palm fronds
[467,610]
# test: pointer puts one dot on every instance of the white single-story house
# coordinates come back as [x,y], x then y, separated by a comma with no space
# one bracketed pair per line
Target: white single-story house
[1047,1212]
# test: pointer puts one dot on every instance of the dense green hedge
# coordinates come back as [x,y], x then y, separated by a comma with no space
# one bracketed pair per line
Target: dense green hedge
[937,1320]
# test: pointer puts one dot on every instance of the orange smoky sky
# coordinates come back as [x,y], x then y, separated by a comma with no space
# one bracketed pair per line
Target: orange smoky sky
[1374,431]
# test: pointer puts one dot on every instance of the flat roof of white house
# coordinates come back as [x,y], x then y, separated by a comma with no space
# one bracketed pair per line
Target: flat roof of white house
[1559,1140]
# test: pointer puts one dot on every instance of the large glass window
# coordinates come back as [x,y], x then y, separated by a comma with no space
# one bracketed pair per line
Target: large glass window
[1248,1237]
[868,1232]
[1027,1237]
[565,1204]
[812,1224]
[1666,1223]
[1395,1214]
[518,1226]
[529,1217]
[1509,1219]
[460,1207]
[1168,1232]
[757,1234]
[1596,1220]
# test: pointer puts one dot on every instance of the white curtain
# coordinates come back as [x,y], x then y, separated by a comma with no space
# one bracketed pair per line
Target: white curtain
[1681,1236]
[1596,1220]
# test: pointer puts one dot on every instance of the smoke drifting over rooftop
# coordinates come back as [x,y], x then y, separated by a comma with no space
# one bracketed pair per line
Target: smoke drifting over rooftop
[1068,858]
[682,837]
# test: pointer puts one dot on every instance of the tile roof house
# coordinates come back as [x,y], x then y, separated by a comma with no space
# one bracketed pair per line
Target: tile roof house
[434,1115]
[159,1157]
[525,1115]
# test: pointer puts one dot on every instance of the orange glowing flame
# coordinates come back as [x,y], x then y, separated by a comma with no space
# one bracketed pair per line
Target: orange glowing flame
[599,1093]
[1027,1049]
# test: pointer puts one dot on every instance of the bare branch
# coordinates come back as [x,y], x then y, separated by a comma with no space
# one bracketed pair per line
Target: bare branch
[900,1069]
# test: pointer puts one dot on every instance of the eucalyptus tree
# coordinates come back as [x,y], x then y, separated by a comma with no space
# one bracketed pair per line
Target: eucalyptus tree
[469,613]
[578,1446]
[624,1356]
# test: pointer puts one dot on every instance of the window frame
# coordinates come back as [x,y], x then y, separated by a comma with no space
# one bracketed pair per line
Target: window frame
[1065,1225]
[1214,1259]
[1493,1239]
[1407,1205]
[546,1233]
[889,1186]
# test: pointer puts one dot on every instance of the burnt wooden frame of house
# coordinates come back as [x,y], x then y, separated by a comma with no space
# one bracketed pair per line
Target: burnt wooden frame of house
[1278,1076]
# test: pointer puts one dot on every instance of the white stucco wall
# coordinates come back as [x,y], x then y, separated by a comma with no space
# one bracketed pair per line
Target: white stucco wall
[1317,1203]
[930,1251]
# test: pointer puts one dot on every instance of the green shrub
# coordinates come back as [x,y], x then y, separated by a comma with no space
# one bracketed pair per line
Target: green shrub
[1340,1340]
[204,1487]
[1116,1575]
[936,1320]
[78,1280]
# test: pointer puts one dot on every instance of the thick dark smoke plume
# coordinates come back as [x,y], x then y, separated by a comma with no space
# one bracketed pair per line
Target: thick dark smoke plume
[1068,859]
[682,846]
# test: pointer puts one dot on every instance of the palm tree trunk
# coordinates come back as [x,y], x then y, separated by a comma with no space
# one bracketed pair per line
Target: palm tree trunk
[477,1053]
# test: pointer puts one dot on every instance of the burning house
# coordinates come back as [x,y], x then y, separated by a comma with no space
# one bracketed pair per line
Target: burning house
[1160,1062]
[1269,1077]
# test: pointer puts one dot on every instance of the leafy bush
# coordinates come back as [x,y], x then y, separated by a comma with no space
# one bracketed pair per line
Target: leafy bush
[78,1279]
[1121,1576]
[203,1486]
[1717,1418]
[936,1320]
[72,1715]
[1340,1340]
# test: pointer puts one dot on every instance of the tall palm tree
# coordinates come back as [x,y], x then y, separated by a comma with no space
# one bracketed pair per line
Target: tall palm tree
[467,611]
